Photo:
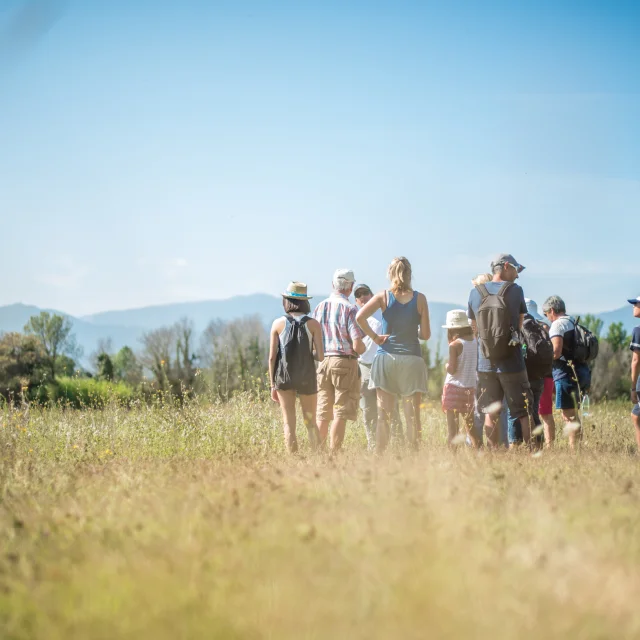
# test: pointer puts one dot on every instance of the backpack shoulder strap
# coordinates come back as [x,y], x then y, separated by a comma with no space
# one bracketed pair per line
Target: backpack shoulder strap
[483,291]
[503,290]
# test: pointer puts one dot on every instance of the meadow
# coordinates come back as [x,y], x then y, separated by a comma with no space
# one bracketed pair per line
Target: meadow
[163,521]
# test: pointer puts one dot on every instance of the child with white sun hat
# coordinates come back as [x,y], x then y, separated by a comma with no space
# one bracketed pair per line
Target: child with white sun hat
[459,390]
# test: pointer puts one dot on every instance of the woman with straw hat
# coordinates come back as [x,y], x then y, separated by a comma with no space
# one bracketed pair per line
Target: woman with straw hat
[459,389]
[295,341]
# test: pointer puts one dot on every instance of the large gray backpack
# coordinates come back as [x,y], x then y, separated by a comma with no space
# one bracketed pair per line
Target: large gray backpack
[494,323]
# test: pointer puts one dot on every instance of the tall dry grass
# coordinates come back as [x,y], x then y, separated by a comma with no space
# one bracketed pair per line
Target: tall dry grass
[191,522]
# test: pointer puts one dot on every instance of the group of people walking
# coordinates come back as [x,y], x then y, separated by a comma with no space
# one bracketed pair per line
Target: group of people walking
[503,357]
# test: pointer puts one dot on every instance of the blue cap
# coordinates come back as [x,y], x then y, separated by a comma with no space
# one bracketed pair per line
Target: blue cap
[634,300]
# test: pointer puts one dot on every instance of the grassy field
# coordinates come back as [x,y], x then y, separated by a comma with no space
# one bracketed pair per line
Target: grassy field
[162,522]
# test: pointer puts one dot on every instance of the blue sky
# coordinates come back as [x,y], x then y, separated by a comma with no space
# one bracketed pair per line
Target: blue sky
[156,152]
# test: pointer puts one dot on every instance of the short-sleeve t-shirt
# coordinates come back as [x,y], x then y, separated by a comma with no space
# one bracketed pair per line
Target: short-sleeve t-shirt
[565,328]
[514,300]
[635,347]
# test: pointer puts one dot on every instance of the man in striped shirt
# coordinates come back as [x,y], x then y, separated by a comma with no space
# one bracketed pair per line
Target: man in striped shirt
[338,374]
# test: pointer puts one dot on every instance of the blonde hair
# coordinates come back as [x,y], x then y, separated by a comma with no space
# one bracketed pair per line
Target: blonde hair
[399,274]
[483,278]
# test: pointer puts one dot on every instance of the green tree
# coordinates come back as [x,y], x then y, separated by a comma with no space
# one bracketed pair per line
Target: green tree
[53,332]
[65,366]
[618,337]
[105,367]
[22,363]
[593,324]
[126,367]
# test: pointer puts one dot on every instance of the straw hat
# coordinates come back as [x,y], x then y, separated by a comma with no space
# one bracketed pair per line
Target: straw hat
[456,319]
[296,291]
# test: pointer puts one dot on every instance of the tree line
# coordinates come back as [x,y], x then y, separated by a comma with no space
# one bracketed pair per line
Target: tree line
[43,362]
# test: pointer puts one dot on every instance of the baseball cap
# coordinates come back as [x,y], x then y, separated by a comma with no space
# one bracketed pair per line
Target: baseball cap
[634,300]
[345,274]
[503,258]
[362,290]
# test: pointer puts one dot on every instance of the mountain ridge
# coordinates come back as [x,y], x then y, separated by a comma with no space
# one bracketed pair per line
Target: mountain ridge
[126,326]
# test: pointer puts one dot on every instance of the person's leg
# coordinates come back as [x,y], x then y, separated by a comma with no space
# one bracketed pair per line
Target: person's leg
[490,395]
[469,423]
[635,416]
[345,375]
[452,425]
[519,398]
[567,400]
[386,405]
[545,409]
[309,405]
[549,424]
[326,399]
[288,405]
[514,430]
[369,406]
[537,388]
[397,431]
[411,406]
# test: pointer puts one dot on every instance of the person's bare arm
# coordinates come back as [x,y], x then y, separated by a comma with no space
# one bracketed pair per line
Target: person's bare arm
[455,349]
[474,328]
[362,317]
[359,346]
[425,322]
[274,339]
[635,372]
[318,346]
[557,342]
[521,321]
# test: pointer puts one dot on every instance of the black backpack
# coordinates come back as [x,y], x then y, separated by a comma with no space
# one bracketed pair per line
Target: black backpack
[295,367]
[585,344]
[494,323]
[538,348]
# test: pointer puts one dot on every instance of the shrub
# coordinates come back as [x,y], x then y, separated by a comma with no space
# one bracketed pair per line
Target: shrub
[84,392]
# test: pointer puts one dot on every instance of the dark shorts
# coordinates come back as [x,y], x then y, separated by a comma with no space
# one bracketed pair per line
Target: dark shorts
[567,394]
[515,428]
[515,387]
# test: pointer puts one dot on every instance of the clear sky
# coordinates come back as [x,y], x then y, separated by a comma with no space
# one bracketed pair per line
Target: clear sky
[156,152]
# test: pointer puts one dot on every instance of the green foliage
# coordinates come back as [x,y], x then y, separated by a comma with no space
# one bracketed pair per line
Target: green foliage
[23,364]
[126,367]
[65,366]
[82,393]
[168,354]
[105,367]
[436,371]
[234,357]
[593,324]
[618,337]
[54,335]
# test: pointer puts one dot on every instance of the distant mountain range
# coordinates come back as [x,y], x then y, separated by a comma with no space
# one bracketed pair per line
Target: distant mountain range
[127,327]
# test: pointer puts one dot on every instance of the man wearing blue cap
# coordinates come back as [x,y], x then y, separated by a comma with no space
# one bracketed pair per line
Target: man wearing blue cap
[635,369]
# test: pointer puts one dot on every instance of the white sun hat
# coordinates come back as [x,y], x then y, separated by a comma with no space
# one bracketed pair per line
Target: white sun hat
[456,319]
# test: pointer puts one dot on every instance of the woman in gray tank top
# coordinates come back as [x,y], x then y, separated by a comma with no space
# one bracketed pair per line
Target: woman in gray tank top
[398,368]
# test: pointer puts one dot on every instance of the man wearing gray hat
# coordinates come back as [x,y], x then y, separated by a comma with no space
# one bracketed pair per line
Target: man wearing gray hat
[338,374]
[496,310]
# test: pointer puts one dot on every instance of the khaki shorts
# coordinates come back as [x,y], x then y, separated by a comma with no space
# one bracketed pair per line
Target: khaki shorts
[338,388]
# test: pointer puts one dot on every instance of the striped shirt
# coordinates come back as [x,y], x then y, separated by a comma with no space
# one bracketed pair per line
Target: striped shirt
[337,317]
